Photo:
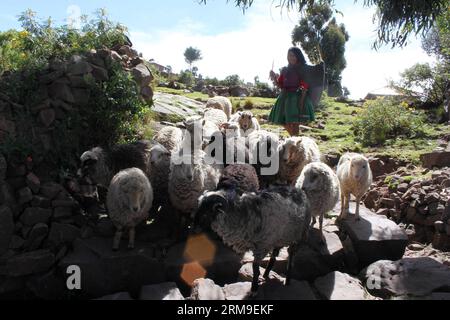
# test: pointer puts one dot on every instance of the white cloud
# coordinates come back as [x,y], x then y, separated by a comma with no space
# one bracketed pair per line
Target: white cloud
[266,37]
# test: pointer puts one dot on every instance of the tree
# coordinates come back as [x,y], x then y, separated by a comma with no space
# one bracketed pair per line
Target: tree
[322,38]
[397,19]
[232,80]
[187,78]
[192,55]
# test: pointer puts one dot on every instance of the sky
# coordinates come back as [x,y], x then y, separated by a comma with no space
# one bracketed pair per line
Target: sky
[232,42]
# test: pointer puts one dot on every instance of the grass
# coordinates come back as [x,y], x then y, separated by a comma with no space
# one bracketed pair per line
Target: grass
[338,137]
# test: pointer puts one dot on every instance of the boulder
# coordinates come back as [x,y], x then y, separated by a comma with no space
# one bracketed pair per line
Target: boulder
[161,291]
[340,286]
[33,182]
[435,159]
[28,263]
[100,73]
[374,237]
[36,236]
[24,195]
[50,190]
[105,271]
[206,289]
[142,75]
[3,168]
[6,228]
[80,67]
[63,233]
[61,91]
[47,117]
[409,276]
[201,257]
[32,216]
[48,286]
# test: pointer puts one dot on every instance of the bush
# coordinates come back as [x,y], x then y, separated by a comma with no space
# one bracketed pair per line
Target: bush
[187,78]
[248,105]
[40,40]
[384,119]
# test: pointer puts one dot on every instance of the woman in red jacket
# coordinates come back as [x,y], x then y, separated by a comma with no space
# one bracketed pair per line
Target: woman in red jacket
[293,106]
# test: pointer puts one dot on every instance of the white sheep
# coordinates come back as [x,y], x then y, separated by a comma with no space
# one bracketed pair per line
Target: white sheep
[263,155]
[216,116]
[221,103]
[130,197]
[321,186]
[355,177]
[247,122]
[169,137]
[190,176]
[160,171]
[295,153]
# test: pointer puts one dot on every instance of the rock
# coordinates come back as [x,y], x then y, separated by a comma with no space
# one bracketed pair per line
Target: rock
[10,285]
[81,67]
[63,233]
[387,202]
[409,276]
[51,77]
[78,81]
[340,286]
[32,216]
[375,237]
[61,91]
[370,201]
[121,296]
[162,291]
[33,182]
[25,195]
[239,91]
[47,117]
[36,236]
[62,212]
[127,50]
[105,271]
[48,286]
[6,228]
[432,197]
[403,187]
[16,243]
[147,93]
[435,159]
[246,273]
[50,190]
[81,96]
[28,263]
[3,168]
[100,73]
[201,257]
[41,202]
[142,75]
[237,291]
[296,290]
[316,259]
[206,289]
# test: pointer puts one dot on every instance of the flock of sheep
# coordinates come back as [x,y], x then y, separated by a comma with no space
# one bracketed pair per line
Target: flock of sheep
[228,188]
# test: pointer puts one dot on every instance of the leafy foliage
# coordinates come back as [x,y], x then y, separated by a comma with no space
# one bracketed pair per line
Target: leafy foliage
[397,19]
[192,55]
[40,41]
[384,119]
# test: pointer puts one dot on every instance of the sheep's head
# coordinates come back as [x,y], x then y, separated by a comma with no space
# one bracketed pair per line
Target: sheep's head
[134,192]
[315,177]
[359,167]
[245,120]
[292,152]
[159,154]
[231,130]
[89,161]
[210,204]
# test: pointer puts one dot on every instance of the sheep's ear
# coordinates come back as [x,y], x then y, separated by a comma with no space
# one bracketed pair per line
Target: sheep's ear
[203,122]
[217,207]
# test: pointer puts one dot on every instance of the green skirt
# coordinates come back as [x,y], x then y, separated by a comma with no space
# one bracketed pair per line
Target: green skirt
[287,110]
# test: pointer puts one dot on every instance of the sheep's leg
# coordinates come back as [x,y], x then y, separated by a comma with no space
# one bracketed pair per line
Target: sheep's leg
[256,274]
[322,238]
[342,216]
[313,222]
[117,238]
[357,218]
[132,237]
[273,258]
[291,251]
[346,206]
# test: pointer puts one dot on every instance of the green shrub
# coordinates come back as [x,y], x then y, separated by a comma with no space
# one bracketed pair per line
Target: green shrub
[187,78]
[41,40]
[385,119]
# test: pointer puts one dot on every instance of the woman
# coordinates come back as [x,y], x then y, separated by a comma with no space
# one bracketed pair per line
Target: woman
[294,105]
